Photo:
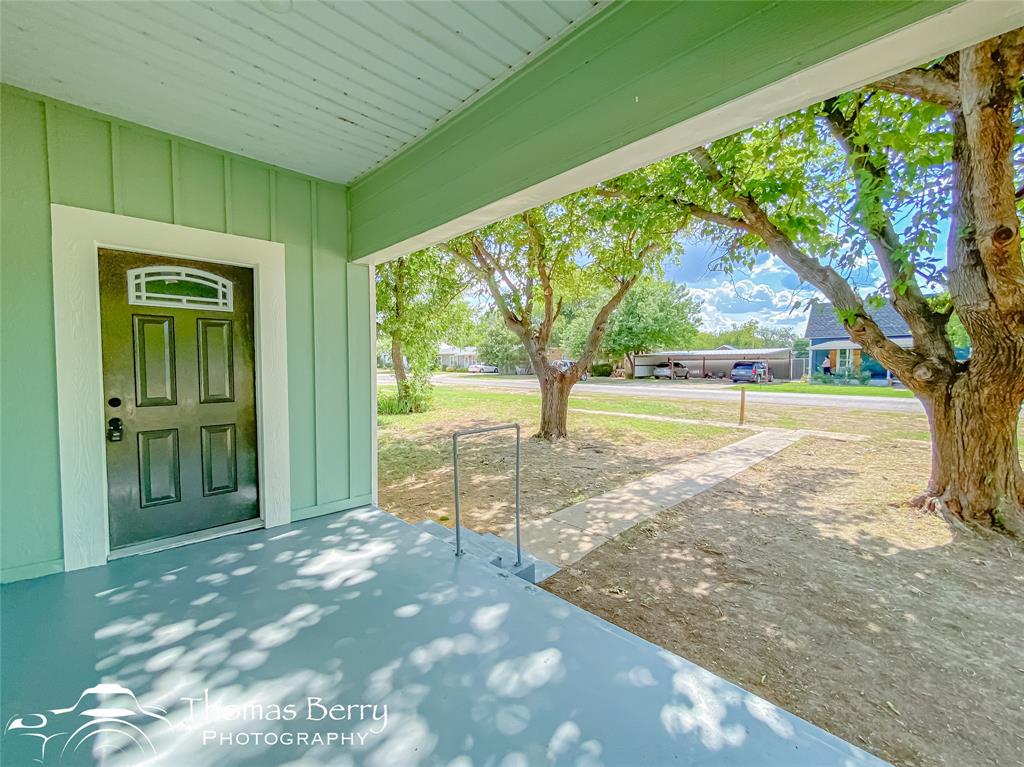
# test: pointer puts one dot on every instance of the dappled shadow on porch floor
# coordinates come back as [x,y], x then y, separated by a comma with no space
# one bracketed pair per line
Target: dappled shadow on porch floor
[475,668]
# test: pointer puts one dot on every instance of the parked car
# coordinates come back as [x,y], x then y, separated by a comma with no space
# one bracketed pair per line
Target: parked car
[662,370]
[480,367]
[752,372]
[563,365]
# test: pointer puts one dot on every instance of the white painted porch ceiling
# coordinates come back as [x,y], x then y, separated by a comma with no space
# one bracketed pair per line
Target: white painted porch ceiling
[331,89]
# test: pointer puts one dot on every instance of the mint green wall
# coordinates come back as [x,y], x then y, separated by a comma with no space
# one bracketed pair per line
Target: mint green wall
[50,151]
[636,68]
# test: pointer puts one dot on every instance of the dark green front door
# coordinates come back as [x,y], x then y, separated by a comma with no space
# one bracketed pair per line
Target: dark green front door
[178,378]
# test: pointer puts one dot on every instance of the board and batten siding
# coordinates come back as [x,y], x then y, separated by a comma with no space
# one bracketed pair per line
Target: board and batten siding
[55,152]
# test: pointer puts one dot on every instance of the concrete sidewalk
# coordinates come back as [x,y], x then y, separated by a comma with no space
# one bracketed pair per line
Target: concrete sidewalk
[570,534]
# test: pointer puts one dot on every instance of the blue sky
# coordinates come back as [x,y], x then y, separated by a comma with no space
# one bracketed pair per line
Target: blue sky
[765,293]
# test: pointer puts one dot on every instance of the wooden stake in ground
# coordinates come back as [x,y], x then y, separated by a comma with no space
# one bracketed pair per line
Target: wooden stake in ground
[743,404]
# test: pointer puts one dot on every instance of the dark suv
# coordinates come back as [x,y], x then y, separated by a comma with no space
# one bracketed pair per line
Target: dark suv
[751,372]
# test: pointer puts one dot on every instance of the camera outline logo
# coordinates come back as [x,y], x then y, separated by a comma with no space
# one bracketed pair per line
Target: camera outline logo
[107,719]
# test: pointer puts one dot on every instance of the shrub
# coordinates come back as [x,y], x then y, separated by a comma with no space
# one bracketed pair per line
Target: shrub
[390,404]
[843,377]
[601,369]
[417,398]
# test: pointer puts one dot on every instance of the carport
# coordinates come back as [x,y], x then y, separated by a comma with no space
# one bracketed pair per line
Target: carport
[717,363]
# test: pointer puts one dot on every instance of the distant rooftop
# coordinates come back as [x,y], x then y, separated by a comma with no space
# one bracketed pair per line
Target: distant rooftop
[823,322]
[449,349]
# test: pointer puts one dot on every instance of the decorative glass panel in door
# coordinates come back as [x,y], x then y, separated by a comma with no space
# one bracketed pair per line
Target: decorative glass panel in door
[179,383]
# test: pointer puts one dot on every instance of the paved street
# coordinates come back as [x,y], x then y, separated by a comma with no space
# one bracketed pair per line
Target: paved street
[684,390]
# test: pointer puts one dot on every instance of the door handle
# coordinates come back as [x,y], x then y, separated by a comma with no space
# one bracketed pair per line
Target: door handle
[115,430]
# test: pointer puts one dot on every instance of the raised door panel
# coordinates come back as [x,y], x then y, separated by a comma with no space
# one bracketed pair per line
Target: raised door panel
[220,459]
[216,360]
[159,473]
[192,464]
[155,375]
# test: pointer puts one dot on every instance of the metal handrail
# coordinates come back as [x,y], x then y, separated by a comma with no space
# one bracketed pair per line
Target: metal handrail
[455,463]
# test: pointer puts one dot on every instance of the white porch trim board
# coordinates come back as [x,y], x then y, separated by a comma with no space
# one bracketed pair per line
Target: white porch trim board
[76,235]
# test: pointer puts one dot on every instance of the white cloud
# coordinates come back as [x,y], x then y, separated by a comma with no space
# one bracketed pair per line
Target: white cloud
[771,265]
[735,302]
[783,298]
[711,318]
[741,296]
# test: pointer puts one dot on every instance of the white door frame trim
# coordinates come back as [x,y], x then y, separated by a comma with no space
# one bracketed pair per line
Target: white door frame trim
[76,235]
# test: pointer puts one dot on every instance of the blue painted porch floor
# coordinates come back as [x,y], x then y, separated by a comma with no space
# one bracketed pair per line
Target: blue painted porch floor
[477,668]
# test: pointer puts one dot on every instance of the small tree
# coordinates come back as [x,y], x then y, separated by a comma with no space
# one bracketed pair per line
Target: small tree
[741,336]
[655,314]
[531,263]
[497,344]
[418,305]
[768,335]
[870,175]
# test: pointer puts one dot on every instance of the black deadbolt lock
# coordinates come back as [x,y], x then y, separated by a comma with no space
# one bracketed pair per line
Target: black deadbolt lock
[115,430]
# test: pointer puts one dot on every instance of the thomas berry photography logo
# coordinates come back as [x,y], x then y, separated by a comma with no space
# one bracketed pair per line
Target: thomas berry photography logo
[109,725]
[107,720]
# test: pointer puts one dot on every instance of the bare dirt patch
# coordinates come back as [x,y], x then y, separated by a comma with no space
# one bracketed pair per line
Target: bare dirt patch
[602,453]
[805,582]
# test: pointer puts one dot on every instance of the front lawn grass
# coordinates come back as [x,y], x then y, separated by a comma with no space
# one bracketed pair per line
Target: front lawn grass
[844,389]
[789,416]
[458,408]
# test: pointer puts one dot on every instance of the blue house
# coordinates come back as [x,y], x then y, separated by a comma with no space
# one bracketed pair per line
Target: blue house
[829,339]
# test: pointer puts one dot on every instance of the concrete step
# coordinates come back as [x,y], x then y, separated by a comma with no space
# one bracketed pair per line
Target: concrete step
[542,568]
[436,529]
[494,550]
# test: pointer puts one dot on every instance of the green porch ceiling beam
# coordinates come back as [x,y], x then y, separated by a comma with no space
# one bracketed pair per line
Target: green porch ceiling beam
[633,70]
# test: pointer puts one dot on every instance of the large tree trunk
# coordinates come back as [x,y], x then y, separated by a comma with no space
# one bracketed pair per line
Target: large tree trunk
[398,362]
[976,477]
[554,404]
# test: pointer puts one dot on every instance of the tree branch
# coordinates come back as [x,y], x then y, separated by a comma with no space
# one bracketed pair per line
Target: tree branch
[862,329]
[493,267]
[538,249]
[938,84]
[714,218]
[600,325]
[704,160]
[927,327]
[491,283]
[859,324]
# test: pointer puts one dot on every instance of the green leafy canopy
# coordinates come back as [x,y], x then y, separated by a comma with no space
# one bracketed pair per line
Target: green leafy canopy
[655,314]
